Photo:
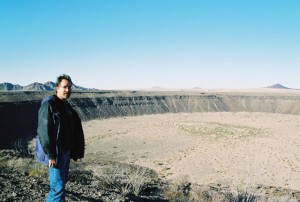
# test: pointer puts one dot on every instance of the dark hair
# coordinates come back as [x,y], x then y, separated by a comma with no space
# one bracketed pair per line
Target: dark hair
[61,77]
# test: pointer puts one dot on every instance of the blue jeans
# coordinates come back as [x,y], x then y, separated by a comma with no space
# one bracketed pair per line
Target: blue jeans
[58,178]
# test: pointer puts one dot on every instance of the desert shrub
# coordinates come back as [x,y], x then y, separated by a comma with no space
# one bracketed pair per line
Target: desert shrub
[247,192]
[23,164]
[181,190]
[246,197]
[124,178]
[38,170]
[178,190]
[199,195]
[29,167]
[22,159]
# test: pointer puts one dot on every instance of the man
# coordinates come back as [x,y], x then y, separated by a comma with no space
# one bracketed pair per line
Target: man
[61,136]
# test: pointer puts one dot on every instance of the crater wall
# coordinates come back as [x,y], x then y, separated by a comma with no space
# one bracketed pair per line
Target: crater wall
[18,112]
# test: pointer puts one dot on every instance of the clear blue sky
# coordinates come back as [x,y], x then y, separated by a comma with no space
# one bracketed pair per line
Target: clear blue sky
[134,44]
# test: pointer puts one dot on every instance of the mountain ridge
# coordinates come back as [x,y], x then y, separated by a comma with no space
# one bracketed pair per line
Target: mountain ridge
[36,86]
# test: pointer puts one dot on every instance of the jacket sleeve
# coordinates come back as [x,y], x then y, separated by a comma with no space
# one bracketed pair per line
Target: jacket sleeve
[45,130]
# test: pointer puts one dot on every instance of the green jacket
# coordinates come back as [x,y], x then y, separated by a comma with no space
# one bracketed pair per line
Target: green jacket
[49,124]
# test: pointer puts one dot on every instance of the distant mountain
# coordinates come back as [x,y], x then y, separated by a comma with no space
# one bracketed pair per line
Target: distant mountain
[278,86]
[37,87]
[48,86]
[8,86]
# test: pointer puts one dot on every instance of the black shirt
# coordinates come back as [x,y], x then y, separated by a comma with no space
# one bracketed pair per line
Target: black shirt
[67,126]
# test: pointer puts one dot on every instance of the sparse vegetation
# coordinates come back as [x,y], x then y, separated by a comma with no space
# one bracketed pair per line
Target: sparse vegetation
[219,130]
[38,170]
[178,191]
[181,191]
[114,181]
[124,178]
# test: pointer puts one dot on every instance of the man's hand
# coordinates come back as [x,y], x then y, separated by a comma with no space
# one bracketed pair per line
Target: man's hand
[52,163]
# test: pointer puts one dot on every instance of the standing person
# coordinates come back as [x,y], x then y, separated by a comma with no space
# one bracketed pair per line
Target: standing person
[60,136]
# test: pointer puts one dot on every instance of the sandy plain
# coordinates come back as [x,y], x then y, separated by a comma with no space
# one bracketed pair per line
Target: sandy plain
[221,147]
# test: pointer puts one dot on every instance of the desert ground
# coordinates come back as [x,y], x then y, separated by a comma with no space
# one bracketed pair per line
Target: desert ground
[240,148]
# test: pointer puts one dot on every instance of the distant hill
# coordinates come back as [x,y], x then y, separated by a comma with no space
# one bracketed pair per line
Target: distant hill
[8,86]
[48,86]
[278,86]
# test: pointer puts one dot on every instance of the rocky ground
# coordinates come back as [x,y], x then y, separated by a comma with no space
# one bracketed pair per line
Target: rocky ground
[18,186]
[20,181]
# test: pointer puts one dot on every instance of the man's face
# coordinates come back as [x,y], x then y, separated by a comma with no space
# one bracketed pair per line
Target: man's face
[63,91]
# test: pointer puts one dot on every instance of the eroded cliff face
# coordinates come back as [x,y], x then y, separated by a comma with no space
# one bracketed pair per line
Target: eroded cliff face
[106,107]
[18,113]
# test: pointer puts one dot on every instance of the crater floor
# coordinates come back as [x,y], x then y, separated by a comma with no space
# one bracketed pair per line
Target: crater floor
[222,147]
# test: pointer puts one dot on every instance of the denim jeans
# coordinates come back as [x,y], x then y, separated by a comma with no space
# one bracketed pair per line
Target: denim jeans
[58,178]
